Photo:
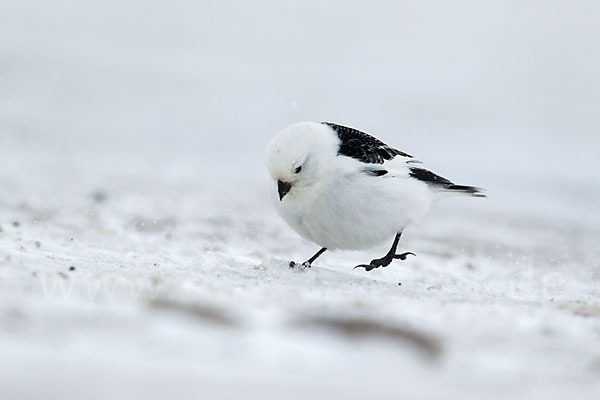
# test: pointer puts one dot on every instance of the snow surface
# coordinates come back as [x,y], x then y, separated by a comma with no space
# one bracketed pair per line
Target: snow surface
[140,257]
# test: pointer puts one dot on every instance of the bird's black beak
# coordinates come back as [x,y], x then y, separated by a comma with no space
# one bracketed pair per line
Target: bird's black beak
[283,188]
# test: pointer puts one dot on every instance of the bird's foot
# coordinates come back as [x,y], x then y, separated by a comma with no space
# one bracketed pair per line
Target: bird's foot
[305,265]
[385,261]
[403,256]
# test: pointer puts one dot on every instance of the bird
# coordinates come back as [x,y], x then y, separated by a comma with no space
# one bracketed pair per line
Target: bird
[344,189]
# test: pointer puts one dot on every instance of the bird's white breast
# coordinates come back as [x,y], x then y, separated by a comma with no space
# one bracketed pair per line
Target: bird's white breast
[351,210]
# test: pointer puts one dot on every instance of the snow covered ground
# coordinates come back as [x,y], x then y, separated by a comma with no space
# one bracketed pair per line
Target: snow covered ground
[139,256]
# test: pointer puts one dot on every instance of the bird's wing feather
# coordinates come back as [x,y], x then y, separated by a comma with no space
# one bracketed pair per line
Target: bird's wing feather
[364,147]
[442,184]
[380,159]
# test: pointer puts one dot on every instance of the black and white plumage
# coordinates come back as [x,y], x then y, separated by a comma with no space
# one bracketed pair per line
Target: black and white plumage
[344,189]
[362,146]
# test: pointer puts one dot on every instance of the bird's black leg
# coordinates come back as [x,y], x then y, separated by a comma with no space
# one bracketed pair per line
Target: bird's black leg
[308,264]
[388,258]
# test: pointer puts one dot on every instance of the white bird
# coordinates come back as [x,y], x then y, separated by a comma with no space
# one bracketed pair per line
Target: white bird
[346,190]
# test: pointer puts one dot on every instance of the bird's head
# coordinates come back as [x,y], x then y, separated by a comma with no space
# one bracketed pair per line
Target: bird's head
[297,156]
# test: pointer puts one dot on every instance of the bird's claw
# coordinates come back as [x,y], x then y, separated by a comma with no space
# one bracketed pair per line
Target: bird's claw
[304,265]
[365,266]
[374,264]
[404,255]
[384,262]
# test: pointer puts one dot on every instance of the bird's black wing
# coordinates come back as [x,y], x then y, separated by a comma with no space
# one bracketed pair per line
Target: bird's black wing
[443,184]
[370,150]
[429,177]
[363,147]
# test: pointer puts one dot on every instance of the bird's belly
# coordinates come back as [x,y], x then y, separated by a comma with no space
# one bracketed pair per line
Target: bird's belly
[346,234]
[361,215]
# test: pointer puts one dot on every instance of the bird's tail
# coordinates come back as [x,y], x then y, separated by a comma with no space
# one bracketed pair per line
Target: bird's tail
[443,185]
[464,190]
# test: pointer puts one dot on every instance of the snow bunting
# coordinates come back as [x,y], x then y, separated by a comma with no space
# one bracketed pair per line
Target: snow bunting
[346,190]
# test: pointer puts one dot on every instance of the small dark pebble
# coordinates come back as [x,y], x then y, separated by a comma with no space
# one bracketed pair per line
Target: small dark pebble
[16,224]
[99,196]
[72,268]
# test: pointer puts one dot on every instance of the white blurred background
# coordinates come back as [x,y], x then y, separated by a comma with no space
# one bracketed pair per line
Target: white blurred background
[165,108]
[510,87]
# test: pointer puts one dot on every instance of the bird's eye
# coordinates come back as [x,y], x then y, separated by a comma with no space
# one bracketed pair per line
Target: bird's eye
[297,171]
